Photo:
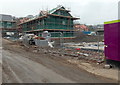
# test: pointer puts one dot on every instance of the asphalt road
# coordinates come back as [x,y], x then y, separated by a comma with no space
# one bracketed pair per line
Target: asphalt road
[20,66]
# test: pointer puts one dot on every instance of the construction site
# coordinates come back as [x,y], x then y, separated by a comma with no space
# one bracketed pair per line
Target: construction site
[51,48]
[7,24]
[55,21]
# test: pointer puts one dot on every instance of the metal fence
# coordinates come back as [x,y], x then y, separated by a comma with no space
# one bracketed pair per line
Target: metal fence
[75,44]
[91,46]
[61,37]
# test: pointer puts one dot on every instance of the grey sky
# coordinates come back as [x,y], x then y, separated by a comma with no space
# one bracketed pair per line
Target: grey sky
[90,11]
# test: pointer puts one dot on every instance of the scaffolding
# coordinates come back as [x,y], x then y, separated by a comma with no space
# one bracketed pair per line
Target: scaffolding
[59,20]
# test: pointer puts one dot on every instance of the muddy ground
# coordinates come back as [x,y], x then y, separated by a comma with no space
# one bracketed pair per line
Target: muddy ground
[33,65]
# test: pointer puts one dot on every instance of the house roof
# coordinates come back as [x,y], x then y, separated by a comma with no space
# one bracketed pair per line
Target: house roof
[59,7]
[43,13]
[111,22]
[64,16]
[50,13]
[4,17]
[53,10]
[33,19]
[83,27]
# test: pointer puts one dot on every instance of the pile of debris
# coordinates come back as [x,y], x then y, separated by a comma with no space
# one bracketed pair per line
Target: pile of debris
[46,46]
[32,39]
[73,53]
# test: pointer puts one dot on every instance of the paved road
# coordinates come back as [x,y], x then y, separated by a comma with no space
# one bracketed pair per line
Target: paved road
[20,66]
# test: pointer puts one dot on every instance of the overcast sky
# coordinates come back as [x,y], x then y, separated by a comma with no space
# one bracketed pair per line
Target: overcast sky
[89,11]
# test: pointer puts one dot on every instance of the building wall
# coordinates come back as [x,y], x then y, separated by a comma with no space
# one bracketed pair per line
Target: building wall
[56,20]
[7,24]
[58,23]
[112,38]
[51,22]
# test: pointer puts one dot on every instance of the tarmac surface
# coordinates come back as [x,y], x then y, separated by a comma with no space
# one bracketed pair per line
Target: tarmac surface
[19,65]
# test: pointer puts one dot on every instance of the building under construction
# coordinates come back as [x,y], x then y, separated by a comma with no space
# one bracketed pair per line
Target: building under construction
[7,25]
[55,21]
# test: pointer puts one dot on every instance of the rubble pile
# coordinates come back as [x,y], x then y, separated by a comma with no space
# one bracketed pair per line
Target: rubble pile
[72,52]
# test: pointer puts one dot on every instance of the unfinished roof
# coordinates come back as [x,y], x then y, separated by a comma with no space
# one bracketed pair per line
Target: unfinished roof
[59,7]
[4,17]
[55,9]
[64,16]
[44,14]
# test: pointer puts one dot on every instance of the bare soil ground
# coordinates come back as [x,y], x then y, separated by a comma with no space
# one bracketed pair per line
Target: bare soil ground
[30,65]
